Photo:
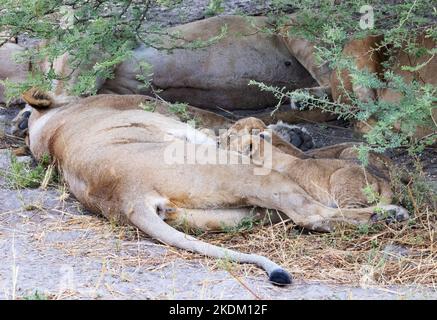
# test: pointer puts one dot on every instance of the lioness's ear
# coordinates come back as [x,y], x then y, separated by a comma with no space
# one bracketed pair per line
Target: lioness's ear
[37,98]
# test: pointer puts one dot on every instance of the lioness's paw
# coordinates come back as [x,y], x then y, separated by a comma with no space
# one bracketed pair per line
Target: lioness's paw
[390,213]
[20,123]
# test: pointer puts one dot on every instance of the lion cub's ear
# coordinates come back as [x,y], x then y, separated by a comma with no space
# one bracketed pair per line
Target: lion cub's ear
[37,98]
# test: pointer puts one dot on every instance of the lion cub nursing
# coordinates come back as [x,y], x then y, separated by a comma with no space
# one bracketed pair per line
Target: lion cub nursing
[115,158]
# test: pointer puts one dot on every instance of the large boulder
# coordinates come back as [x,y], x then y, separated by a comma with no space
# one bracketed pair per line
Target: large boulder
[216,76]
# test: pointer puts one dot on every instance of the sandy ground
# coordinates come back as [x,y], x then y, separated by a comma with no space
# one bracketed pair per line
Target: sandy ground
[50,247]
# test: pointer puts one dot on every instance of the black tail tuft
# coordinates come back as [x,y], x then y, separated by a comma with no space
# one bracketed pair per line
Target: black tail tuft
[280,277]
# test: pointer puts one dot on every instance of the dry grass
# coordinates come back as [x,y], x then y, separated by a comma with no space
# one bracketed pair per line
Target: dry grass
[347,256]
[343,257]
[10,141]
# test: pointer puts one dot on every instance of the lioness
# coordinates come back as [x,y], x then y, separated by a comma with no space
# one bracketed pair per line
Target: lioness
[369,56]
[216,75]
[211,77]
[114,157]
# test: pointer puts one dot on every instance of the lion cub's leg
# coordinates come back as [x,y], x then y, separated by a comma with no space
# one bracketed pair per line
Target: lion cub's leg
[330,152]
[378,164]
[287,196]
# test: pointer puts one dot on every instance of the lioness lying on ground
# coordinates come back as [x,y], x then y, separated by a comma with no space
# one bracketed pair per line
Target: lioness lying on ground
[218,75]
[213,77]
[369,54]
[118,160]
[9,69]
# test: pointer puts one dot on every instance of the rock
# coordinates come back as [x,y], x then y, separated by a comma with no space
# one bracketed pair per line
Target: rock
[5,159]
[2,126]
[394,251]
[192,10]
[5,163]
[25,159]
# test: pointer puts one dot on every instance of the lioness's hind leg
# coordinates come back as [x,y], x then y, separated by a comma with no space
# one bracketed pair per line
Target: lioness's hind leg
[390,213]
[221,219]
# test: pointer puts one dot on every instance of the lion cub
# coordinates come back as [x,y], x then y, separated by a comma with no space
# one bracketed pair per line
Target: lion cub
[332,175]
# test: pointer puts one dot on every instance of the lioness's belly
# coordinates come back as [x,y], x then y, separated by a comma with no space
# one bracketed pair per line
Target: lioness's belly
[103,150]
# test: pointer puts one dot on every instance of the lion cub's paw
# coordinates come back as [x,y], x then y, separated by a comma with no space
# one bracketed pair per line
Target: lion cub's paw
[297,136]
[390,213]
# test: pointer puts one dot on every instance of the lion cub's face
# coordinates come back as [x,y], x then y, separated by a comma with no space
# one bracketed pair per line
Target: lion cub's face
[245,136]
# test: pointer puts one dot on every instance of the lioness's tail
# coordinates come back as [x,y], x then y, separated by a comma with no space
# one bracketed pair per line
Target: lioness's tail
[145,217]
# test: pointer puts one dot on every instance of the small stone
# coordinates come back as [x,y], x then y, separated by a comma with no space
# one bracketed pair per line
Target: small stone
[5,164]
[394,251]
[2,127]
[5,159]
[25,159]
